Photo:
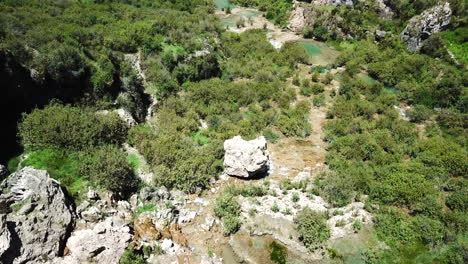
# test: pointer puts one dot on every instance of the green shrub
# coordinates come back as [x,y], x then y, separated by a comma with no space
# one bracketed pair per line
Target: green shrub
[231,224]
[306,90]
[318,100]
[279,253]
[419,113]
[228,209]
[336,188]
[270,135]
[458,200]
[294,122]
[312,228]
[130,256]
[175,166]
[68,127]
[357,226]
[317,88]
[394,227]
[108,167]
[246,191]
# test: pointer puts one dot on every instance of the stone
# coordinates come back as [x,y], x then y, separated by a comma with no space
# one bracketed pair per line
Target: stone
[123,114]
[379,34]
[186,216]
[39,219]
[421,27]
[104,243]
[166,244]
[246,159]
[385,11]
[3,171]
[145,229]
[92,214]
[126,116]
[92,195]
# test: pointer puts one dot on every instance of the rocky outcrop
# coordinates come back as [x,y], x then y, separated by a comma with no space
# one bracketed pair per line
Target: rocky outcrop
[36,217]
[245,159]
[297,20]
[104,243]
[423,26]
[333,2]
[385,11]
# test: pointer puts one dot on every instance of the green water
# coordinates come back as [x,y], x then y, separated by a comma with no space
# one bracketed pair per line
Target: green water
[310,48]
[223,4]
[229,22]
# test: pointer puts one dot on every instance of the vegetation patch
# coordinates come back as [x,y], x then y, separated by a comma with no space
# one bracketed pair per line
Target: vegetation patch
[279,253]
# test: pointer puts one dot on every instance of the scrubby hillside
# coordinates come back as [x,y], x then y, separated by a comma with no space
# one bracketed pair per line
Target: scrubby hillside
[234,132]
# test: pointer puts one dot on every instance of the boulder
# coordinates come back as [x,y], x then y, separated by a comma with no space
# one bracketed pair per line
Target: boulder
[379,34]
[245,159]
[421,27]
[37,216]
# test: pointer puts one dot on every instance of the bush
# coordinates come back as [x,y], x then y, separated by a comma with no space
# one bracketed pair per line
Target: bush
[228,209]
[419,113]
[175,166]
[130,256]
[312,228]
[337,189]
[270,135]
[231,224]
[107,166]
[318,100]
[68,127]
[294,122]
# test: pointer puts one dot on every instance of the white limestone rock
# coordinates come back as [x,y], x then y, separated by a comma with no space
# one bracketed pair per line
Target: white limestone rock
[246,159]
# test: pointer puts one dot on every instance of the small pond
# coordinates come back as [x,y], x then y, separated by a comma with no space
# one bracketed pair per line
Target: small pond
[223,4]
[311,48]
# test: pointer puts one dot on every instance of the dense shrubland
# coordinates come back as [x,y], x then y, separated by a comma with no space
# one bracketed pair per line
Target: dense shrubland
[79,147]
[408,175]
[235,83]
[412,175]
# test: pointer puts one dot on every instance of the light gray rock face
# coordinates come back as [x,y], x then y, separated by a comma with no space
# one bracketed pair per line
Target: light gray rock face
[333,2]
[245,159]
[38,217]
[385,12]
[3,171]
[5,235]
[104,243]
[423,26]
[297,19]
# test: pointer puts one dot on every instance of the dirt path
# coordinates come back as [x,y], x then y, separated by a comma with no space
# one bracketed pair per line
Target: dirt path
[292,156]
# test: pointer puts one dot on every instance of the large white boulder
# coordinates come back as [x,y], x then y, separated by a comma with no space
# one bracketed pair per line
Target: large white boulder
[244,158]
